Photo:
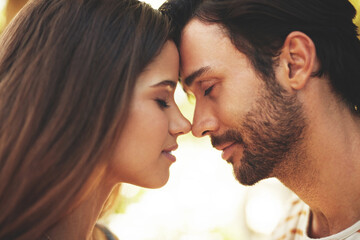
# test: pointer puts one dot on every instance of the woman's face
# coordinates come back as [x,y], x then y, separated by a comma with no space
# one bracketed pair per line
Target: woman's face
[143,153]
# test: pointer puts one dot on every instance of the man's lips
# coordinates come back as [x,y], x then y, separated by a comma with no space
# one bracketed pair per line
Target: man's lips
[228,150]
[223,146]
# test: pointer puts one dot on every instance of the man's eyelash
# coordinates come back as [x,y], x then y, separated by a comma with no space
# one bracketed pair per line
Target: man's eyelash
[162,103]
[208,91]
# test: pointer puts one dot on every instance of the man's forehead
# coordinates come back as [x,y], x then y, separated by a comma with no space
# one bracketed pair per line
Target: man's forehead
[197,28]
[198,46]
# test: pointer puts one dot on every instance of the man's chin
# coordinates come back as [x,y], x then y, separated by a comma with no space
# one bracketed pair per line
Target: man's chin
[247,175]
[246,180]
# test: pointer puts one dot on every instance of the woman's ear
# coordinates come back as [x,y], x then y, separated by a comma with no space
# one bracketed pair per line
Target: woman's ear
[298,56]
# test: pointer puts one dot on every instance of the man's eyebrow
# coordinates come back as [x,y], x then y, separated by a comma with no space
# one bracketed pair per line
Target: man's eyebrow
[166,83]
[190,79]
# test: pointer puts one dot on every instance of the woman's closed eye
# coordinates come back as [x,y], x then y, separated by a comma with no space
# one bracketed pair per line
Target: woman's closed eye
[162,103]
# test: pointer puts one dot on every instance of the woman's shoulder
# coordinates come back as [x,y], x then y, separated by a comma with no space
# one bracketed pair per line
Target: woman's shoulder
[103,233]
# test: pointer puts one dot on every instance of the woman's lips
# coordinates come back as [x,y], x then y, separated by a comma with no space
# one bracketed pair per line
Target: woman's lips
[169,156]
[167,153]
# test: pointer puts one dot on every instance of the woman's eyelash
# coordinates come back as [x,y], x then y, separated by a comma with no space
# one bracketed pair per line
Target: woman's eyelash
[208,91]
[162,103]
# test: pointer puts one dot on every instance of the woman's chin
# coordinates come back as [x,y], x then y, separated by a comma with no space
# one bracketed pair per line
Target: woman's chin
[155,183]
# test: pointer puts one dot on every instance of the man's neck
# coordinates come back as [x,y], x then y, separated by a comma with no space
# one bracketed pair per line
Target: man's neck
[328,181]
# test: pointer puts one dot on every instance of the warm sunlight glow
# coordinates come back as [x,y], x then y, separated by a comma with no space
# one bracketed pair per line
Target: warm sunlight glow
[356,4]
[154,3]
[264,206]
[2,14]
[2,4]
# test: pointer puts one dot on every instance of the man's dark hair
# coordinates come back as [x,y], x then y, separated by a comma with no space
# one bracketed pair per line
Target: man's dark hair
[258,28]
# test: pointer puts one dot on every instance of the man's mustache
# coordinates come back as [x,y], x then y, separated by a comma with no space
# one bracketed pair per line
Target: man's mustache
[228,136]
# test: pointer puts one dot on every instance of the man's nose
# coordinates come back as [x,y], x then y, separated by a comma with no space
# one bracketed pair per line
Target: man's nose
[204,122]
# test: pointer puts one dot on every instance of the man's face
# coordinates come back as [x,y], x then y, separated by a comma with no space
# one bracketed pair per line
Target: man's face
[254,121]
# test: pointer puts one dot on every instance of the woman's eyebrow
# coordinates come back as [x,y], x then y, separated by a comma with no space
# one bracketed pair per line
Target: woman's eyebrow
[166,83]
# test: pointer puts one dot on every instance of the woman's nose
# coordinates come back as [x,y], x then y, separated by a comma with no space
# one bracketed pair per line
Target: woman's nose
[179,125]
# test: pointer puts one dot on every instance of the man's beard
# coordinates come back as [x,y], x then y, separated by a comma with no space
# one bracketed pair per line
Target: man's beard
[270,133]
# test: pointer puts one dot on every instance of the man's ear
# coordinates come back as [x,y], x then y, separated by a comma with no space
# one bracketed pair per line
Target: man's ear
[298,56]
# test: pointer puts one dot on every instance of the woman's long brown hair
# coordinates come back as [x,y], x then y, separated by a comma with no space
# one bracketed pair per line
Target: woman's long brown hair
[67,74]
